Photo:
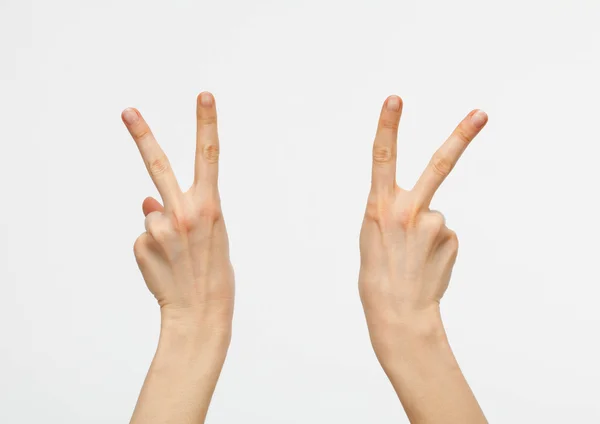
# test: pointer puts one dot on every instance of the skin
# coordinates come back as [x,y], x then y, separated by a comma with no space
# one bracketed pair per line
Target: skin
[407,256]
[184,258]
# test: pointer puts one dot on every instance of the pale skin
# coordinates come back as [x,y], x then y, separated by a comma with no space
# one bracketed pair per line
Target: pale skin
[407,256]
[184,258]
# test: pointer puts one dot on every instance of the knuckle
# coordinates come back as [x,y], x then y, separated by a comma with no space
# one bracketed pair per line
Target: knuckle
[452,236]
[436,223]
[382,154]
[389,123]
[140,248]
[441,165]
[181,222]
[462,134]
[374,211]
[158,166]
[408,217]
[207,120]
[211,210]
[160,232]
[378,211]
[142,133]
[211,153]
[453,240]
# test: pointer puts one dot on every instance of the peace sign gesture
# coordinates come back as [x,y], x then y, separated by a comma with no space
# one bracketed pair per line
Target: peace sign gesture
[184,258]
[442,162]
[184,253]
[407,252]
[407,255]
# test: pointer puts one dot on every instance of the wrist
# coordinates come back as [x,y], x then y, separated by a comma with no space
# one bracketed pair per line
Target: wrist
[402,335]
[194,334]
[182,350]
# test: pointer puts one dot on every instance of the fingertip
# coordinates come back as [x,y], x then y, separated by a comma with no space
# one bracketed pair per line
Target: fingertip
[206,99]
[393,103]
[478,118]
[150,205]
[130,116]
[389,119]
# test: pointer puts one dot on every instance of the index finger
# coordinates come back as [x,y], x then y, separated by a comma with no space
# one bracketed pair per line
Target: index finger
[156,161]
[446,157]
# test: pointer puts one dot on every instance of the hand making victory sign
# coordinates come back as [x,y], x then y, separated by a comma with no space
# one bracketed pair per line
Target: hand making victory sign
[407,256]
[184,258]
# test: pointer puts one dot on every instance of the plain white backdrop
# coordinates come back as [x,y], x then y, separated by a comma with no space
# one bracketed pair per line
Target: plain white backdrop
[299,86]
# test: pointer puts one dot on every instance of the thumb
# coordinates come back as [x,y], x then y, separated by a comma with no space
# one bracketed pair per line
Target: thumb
[150,205]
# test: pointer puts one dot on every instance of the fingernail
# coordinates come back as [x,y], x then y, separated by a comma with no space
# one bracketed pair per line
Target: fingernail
[206,99]
[130,116]
[479,118]
[393,104]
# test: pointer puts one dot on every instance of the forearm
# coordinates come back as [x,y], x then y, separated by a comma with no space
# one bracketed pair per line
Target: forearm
[184,258]
[420,364]
[182,376]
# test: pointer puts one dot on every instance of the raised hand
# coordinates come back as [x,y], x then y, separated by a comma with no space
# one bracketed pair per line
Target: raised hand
[407,256]
[184,258]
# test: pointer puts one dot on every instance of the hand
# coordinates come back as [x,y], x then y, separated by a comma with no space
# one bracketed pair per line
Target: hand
[407,255]
[184,258]
[184,253]
[407,252]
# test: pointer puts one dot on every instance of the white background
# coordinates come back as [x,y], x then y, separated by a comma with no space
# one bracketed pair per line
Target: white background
[299,86]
